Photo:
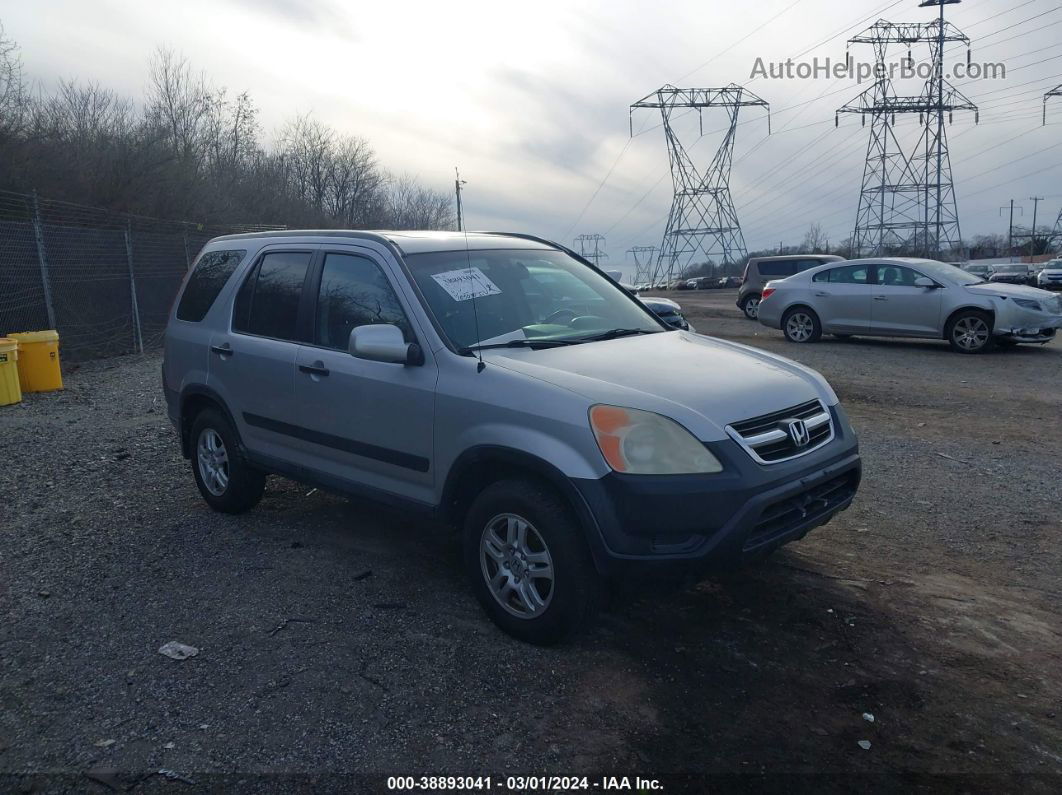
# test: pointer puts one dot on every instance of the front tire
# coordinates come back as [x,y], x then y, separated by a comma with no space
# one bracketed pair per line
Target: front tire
[751,307]
[226,481]
[528,563]
[801,324]
[970,331]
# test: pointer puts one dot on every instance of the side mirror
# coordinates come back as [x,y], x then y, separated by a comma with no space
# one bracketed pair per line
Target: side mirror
[383,342]
[924,281]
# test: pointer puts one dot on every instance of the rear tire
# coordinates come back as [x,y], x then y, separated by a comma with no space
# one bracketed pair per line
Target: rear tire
[528,563]
[750,305]
[801,324]
[969,331]
[226,481]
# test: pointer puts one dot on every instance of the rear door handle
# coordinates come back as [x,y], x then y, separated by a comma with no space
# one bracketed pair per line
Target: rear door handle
[222,350]
[880,298]
[822,295]
[317,368]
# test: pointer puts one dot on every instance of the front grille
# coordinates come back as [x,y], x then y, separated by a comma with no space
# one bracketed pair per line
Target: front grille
[781,517]
[768,438]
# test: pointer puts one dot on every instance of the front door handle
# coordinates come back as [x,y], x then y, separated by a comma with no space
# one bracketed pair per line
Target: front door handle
[880,298]
[222,350]
[317,368]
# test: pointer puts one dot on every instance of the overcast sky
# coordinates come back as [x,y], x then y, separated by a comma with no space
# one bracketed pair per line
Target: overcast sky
[531,99]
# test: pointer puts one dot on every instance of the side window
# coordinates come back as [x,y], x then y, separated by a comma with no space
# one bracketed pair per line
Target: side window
[852,274]
[354,292]
[210,274]
[805,264]
[268,302]
[783,268]
[896,276]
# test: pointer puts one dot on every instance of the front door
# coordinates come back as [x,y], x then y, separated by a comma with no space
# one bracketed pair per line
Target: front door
[372,422]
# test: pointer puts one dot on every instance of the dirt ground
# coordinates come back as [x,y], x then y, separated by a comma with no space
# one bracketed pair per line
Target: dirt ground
[339,643]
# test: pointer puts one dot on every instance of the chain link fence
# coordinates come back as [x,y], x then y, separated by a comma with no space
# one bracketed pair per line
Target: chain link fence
[105,281]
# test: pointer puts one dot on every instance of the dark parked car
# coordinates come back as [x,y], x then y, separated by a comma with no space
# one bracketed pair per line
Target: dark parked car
[1017,273]
[668,311]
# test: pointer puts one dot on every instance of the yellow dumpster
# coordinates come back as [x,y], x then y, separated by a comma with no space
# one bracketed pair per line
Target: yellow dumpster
[9,391]
[38,360]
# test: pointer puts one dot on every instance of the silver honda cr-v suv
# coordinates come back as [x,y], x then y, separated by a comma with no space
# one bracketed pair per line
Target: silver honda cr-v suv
[501,383]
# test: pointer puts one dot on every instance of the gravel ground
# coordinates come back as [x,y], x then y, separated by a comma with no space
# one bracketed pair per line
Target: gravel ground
[338,639]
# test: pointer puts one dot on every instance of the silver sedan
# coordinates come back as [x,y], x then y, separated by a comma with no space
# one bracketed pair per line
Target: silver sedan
[893,297]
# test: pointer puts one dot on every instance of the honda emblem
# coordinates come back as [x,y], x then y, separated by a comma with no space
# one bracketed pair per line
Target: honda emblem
[798,432]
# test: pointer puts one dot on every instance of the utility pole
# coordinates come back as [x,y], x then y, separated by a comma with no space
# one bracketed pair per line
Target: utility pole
[458,182]
[703,222]
[1036,206]
[1054,92]
[1010,228]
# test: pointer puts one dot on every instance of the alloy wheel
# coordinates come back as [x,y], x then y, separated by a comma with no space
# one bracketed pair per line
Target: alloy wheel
[971,333]
[213,461]
[752,308]
[516,565]
[799,327]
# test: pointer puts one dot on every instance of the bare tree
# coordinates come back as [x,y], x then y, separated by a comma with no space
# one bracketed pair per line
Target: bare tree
[195,151]
[815,240]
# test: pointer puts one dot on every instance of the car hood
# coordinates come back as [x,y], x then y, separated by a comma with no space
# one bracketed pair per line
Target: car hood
[1052,271]
[1009,290]
[701,382]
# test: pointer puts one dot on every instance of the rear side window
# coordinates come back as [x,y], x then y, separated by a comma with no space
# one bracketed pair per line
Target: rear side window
[354,292]
[852,274]
[210,274]
[785,267]
[268,302]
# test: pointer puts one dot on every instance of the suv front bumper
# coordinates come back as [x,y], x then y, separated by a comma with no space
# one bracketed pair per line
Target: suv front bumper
[660,524]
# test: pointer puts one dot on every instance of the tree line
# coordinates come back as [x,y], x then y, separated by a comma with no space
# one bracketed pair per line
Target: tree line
[190,150]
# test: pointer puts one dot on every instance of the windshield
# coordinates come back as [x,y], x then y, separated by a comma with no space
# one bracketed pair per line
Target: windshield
[1010,268]
[942,270]
[522,294]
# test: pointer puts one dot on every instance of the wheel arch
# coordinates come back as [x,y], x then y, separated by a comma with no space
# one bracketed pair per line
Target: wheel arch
[480,466]
[799,305]
[967,308]
[195,399]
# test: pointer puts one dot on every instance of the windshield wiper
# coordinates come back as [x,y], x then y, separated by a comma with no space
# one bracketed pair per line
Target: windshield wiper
[533,344]
[615,333]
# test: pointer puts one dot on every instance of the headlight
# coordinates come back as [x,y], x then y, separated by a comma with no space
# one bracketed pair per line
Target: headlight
[643,443]
[1028,303]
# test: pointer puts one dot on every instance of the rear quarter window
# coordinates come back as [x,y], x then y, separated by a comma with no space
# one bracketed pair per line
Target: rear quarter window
[209,275]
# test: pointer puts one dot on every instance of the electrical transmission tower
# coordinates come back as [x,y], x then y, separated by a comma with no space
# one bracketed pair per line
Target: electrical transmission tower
[1054,92]
[1056,234]
[702,223]
[907,201]
[643,257]
[591,247]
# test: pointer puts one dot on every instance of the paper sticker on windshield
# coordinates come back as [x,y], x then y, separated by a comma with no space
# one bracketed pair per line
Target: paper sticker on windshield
[467,283]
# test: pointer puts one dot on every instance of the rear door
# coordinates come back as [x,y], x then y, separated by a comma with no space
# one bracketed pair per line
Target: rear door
[369,422]
[900,308]
[842,297]
[252,364]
